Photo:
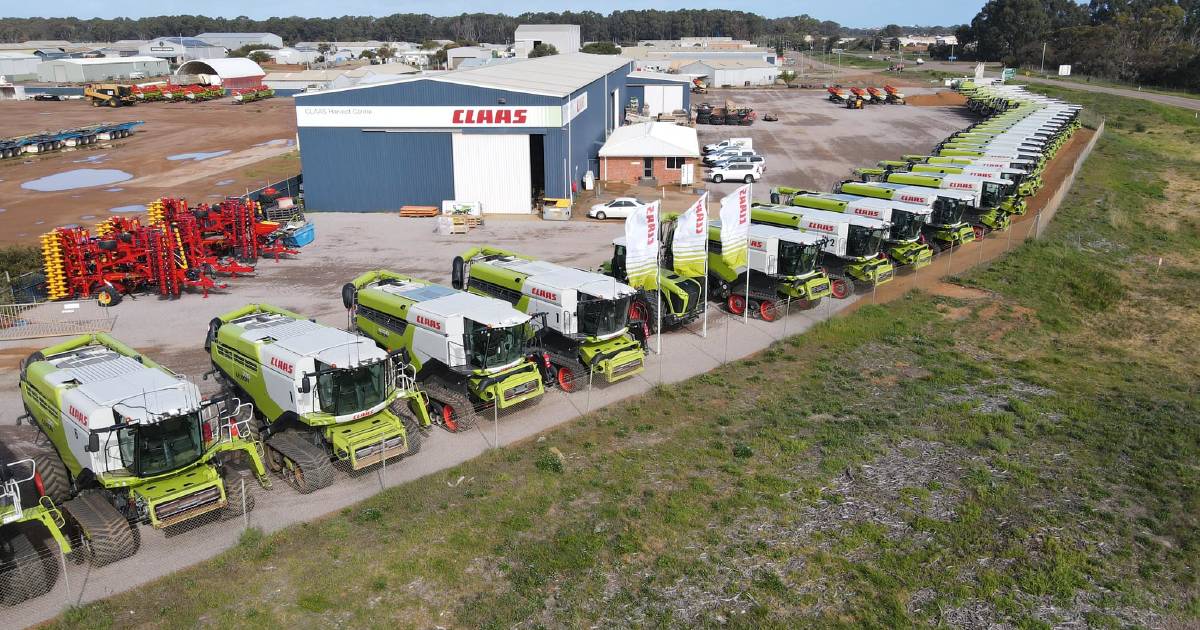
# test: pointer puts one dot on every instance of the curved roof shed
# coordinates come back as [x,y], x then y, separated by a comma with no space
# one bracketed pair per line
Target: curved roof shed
[235,72]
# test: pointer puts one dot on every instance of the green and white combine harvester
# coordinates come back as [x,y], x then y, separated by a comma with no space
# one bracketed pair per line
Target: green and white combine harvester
[987,196]
[903,243]
[782,265]
[468,351]
[26,573]
[586,314]
[133,442]
[852,253]
[1014,199]
[321,394]
[1030,173]
[681,297]
[945,228]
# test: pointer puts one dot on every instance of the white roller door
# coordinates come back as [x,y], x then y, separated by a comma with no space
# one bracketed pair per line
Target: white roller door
[672,98]
[654,99]
[493,169]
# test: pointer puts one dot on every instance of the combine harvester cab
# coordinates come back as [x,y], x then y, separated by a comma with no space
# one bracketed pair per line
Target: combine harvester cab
[782,264]
[134,441]
[681,297]
[986,196]
[468,350]
[25,573]
[586,314]
[1013,203]
[852,252]
[322,394]
[903,241]
[945,227]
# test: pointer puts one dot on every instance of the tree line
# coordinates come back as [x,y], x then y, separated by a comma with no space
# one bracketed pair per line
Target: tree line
[618,26]
[1153,42]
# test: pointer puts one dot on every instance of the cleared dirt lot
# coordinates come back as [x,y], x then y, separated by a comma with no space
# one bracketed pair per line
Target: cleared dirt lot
[255,143]
[816,143]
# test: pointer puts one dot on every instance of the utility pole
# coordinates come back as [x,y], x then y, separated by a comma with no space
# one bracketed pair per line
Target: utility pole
[1043,69]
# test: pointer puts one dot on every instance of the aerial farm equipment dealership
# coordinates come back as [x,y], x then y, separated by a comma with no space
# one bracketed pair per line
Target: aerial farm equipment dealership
[502,134]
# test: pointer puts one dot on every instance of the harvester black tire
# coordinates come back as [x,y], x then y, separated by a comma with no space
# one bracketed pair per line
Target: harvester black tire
[316,471]
[213,326]
[235,492]
[55,483]
[349,295]
[32,358]
[461,417]
[108,296]
[458,273]
[412,433]
[24,573]
[108,536]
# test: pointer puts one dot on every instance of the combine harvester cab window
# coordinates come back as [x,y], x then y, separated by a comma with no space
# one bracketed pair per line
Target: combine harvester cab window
[863,241]
[906,226]
[993,194]
[599,317]
[490,348]
[796,259]
[947,211]
[153,449]
[351,390]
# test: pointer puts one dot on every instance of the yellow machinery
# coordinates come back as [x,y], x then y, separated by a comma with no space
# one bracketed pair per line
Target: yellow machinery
[110,94]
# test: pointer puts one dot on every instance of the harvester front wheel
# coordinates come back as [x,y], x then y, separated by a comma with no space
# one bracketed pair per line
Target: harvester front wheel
[299,462]
[107,536]
[768,310]
[238,502]
[53,476]
[841,288]
[980,232]
[24,573]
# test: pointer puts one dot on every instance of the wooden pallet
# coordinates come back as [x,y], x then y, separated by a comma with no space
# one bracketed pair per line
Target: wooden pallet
[419,211]
[474,222]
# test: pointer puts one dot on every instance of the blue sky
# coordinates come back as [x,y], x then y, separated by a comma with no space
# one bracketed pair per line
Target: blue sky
[854,13]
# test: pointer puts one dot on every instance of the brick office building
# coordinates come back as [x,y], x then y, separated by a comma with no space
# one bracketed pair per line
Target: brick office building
[653,153]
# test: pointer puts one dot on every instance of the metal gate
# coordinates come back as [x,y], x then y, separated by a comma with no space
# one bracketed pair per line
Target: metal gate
[54,319]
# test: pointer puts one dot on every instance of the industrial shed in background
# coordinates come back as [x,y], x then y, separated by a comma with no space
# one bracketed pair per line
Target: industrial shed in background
[235,72]
[500,134]
[659,92]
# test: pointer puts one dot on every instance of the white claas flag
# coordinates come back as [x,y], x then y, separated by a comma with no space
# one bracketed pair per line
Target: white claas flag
[735,227]
[641,246]
[690,245]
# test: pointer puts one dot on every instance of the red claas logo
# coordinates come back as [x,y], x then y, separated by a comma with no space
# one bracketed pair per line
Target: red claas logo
[282,365]
[490,116]
[428,322]
[78,415]
[824,227]
[544,294]
[757,244]
[962,185]
[651,226]
[700,219]
[912,199]
[866,213]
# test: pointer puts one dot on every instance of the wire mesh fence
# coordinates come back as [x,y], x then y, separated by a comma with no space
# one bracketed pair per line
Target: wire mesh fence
[32,320]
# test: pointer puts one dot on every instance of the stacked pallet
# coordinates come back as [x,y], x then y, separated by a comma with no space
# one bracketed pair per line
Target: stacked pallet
[423,212]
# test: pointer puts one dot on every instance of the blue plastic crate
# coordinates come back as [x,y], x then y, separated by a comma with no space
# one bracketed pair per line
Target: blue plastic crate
[301,237]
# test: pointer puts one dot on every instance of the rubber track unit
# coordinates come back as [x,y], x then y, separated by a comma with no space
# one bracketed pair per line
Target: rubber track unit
[27,575]
[109,535]
[54,477]
[312,460]
[463,421]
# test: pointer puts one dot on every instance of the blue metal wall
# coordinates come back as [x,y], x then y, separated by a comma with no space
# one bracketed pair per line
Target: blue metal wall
[637,90]
[357,171]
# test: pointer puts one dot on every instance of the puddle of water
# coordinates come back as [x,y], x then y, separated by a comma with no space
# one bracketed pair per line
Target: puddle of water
[87,217]
[3,210]
[138,207]
[91,159]
[78,178]
[114,189]
[278,142]
[38,222]
[223,182]
[197,156]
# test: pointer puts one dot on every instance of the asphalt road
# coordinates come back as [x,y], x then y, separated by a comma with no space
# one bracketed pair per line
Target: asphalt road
[1165,99]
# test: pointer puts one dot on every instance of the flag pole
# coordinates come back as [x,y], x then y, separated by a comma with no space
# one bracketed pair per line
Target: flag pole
[749,200]
[704,228]
[658,279]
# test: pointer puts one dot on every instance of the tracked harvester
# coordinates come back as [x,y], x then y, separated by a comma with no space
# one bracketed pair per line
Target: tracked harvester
[468,351]
[782,265]
[945,227]
[903,243]
[681,297]
[133,442]
[25,573]
[987,196]
[852,253]
[322,394]
[586,314]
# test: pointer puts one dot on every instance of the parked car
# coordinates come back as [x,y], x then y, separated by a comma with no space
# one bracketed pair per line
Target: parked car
[738,159]
[741,172]
[730,143]
[726,154]
[618,208]
[43,96]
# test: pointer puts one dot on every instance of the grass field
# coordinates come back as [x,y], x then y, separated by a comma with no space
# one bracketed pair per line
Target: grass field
[1022,453]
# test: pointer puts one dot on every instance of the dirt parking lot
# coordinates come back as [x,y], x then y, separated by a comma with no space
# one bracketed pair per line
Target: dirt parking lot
[816,143]
[200,151]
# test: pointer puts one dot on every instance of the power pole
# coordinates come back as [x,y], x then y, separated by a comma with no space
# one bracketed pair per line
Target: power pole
[1043,68]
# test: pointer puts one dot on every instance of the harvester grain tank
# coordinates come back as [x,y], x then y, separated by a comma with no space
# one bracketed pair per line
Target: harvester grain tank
[945,228]
[586,314]
[903,241]
[468,351]
[322,394]
[134,442]
[782,265]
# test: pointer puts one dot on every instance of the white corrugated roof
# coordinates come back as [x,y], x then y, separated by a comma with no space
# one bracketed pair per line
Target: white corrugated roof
[661,76]
[107,60]
[731,64]
[652,139]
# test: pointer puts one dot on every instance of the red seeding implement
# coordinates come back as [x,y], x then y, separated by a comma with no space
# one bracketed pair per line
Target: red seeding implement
[181,248]
[249,95]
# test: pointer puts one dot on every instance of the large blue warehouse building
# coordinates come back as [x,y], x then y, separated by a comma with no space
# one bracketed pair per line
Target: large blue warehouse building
[499,134]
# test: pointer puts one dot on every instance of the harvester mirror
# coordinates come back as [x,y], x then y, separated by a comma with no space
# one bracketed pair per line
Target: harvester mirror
[305,385]
[349,293]
[458,273]
[93,445]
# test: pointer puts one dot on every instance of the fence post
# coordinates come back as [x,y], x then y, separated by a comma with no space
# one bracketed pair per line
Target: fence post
[496,421]
[591,371]
[245,514]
